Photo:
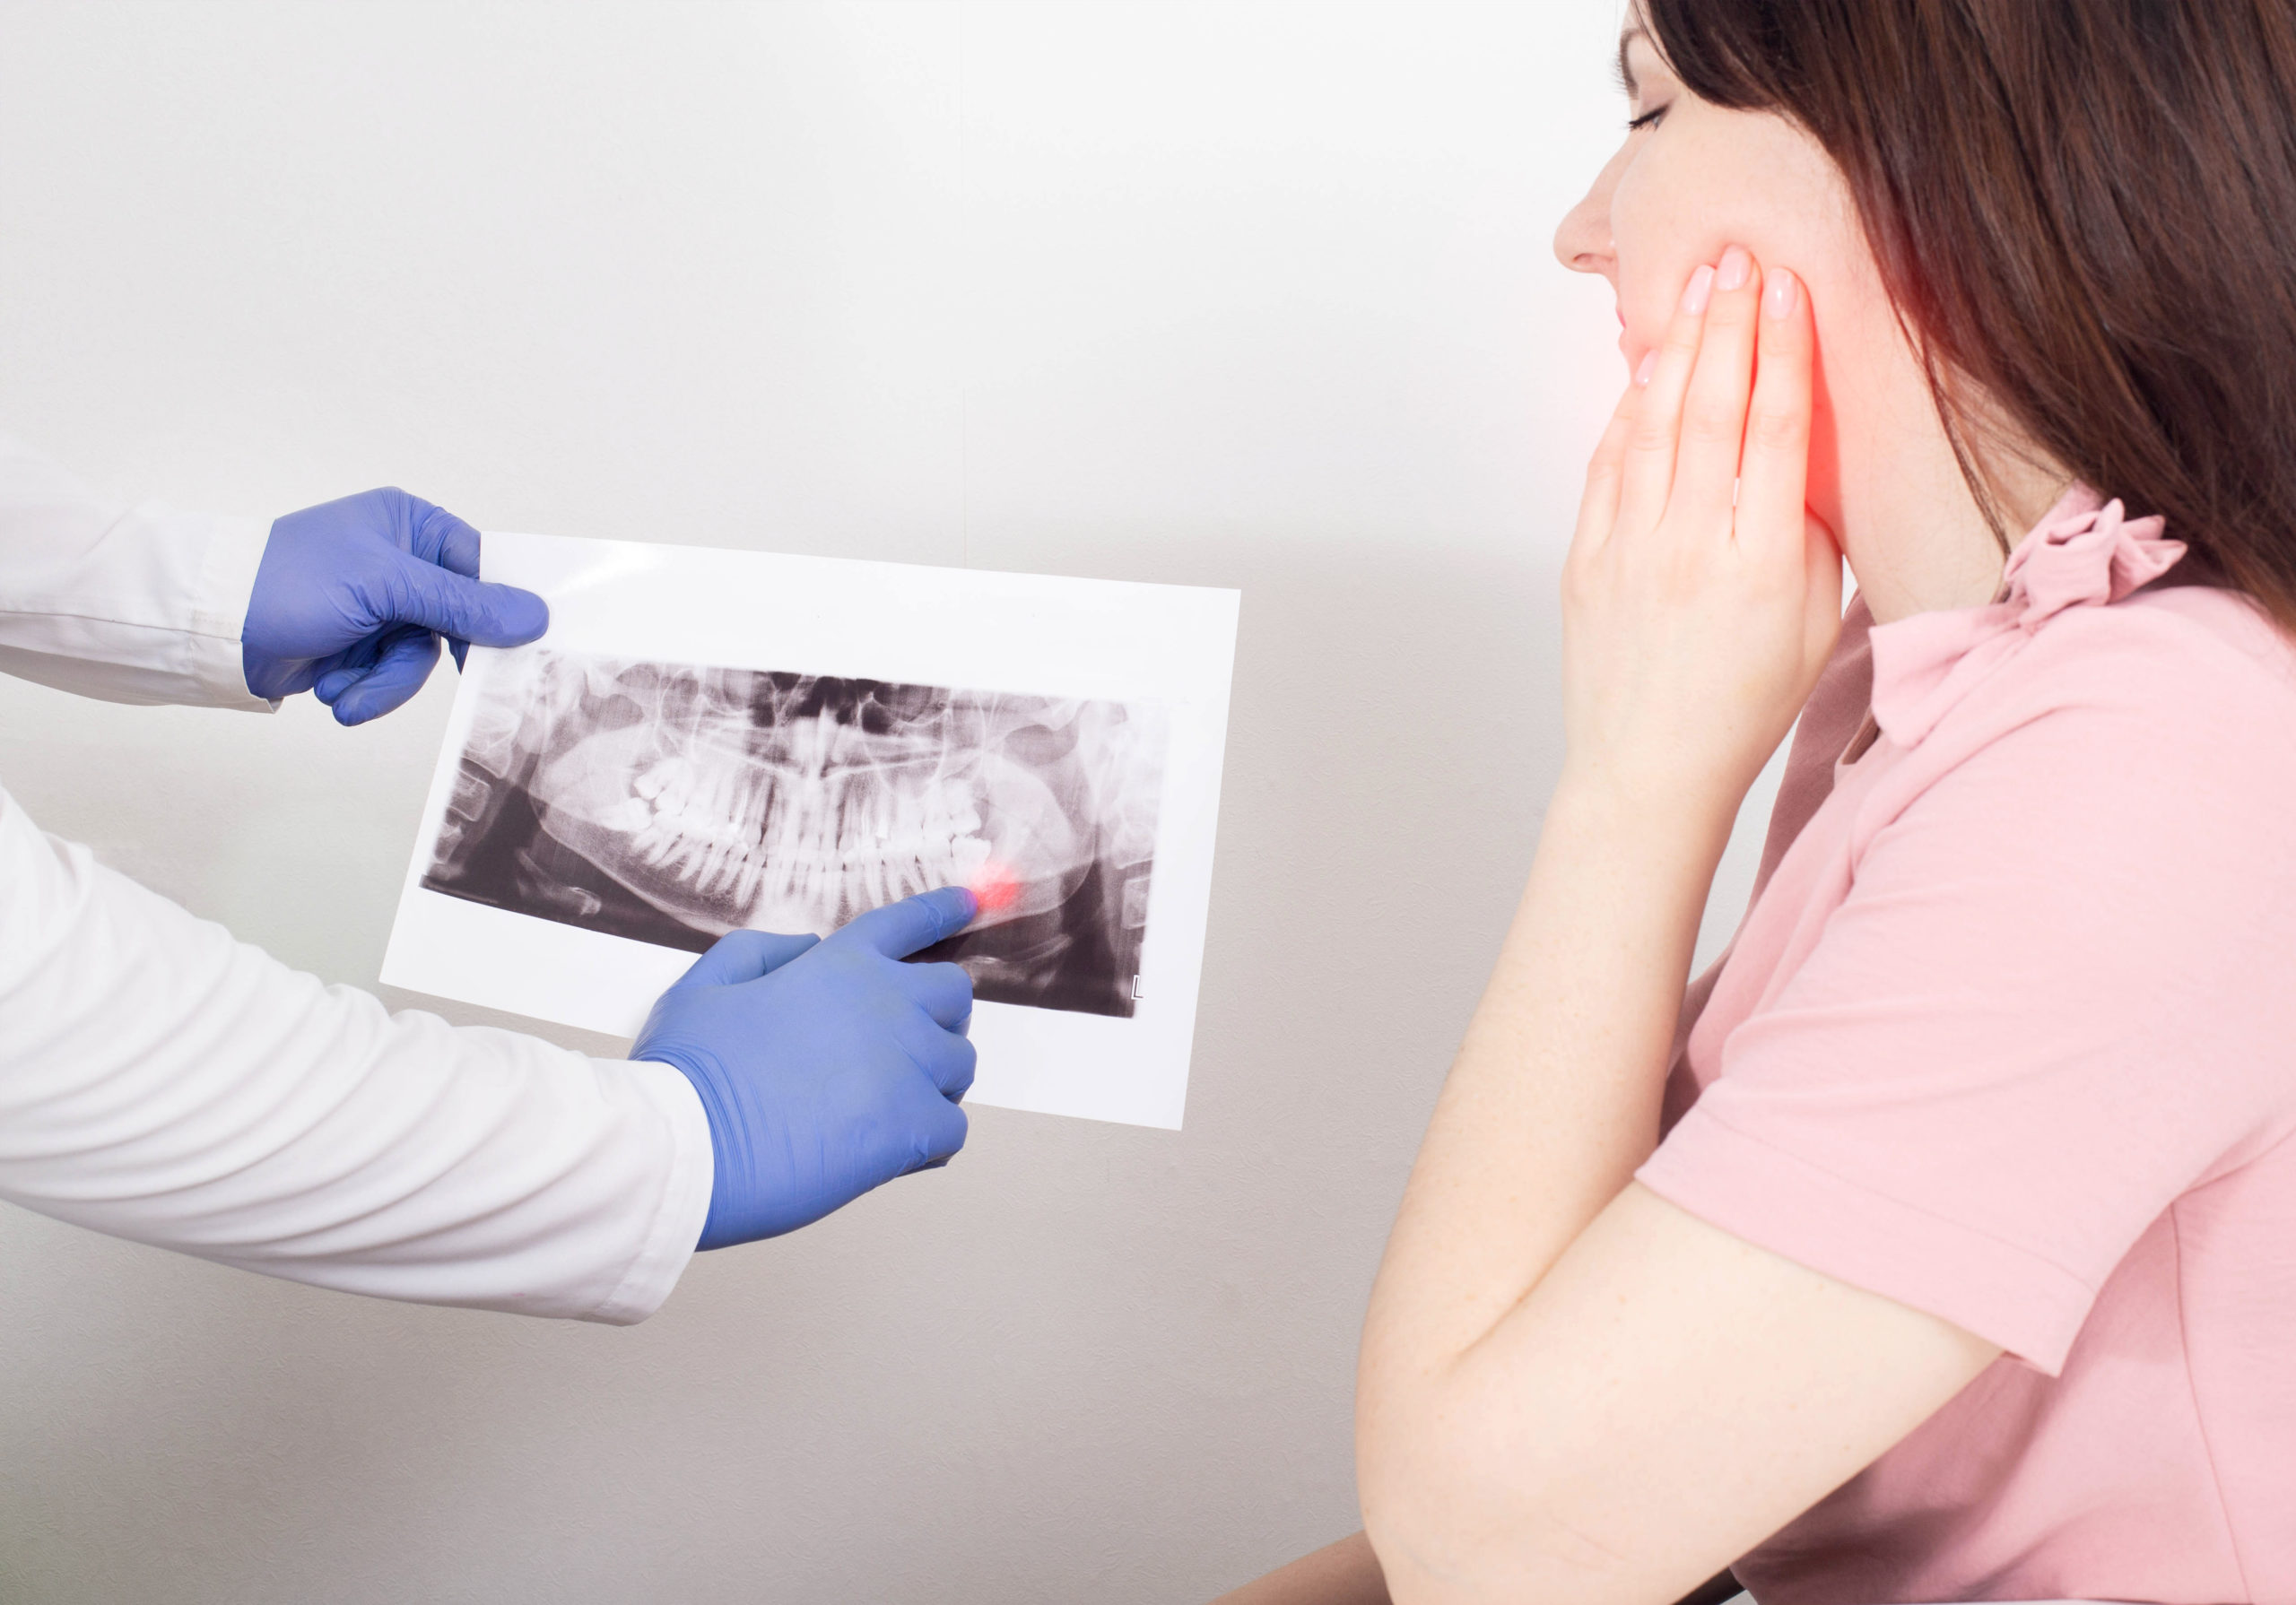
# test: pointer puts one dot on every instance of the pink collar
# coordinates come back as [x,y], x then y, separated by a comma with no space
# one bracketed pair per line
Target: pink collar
[2083,551]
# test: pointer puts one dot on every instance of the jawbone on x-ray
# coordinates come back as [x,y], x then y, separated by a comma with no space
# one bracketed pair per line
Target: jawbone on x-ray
[672,803]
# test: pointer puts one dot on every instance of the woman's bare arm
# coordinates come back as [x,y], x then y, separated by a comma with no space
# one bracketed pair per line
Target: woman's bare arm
[1343,1573]
[1570,1391]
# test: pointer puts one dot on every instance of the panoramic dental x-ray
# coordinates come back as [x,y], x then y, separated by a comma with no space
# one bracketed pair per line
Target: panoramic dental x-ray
[671,803]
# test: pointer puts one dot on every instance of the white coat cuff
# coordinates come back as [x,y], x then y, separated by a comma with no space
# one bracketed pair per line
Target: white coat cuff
[684,1203]
[220,611]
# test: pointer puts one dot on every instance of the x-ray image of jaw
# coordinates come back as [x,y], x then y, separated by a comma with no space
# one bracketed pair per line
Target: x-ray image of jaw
[671,804]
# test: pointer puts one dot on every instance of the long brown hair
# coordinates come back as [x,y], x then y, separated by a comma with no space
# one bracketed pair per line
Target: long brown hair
[2086,208]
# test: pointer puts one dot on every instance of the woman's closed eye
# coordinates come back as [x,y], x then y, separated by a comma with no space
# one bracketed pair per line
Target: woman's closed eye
[1648,119]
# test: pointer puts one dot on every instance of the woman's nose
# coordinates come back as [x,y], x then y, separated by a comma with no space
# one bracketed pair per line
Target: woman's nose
[1582,242]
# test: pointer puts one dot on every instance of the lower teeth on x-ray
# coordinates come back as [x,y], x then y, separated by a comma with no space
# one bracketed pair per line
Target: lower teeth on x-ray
[671,804]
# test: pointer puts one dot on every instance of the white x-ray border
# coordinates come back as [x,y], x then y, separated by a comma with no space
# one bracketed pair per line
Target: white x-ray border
[964,628]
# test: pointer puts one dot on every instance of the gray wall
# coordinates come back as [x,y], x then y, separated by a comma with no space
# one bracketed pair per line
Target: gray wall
[1240,295]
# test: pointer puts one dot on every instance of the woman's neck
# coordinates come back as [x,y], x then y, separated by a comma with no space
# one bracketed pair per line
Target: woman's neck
[1913,531]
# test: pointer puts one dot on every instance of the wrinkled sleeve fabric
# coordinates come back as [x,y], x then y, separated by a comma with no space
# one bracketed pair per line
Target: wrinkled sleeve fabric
[161,1081]
[129,604]
[2054,998]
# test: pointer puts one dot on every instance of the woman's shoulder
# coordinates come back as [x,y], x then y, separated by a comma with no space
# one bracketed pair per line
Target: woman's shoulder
[2188,654]
[2094,619]
[2161,730]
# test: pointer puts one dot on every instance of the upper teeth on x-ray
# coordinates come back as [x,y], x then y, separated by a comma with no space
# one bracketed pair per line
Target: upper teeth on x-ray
[672,804]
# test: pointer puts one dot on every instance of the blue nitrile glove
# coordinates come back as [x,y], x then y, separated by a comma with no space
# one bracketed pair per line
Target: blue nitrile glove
[825,1067]
[352,597]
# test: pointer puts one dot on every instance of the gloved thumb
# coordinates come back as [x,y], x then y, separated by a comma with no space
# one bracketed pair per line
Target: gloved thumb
[741,956]
[463,609]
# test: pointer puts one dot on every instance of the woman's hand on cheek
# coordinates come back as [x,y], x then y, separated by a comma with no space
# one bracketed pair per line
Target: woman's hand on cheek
[1694,627]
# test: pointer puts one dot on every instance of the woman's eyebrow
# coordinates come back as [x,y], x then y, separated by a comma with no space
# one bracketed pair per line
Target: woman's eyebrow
[1625,69]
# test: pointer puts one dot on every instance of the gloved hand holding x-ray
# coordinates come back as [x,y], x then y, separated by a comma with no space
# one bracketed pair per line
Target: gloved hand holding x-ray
[354,594]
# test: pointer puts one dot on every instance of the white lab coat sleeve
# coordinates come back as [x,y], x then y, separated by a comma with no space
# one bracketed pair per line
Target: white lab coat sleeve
[161,1081]
[130,604]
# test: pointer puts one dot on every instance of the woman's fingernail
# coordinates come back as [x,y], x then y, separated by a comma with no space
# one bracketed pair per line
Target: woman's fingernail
[1700,287]
[1778,300]
[1647,367]
[1736,266]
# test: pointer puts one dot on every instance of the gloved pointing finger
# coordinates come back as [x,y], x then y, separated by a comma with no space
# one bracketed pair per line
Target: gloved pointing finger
[899,929]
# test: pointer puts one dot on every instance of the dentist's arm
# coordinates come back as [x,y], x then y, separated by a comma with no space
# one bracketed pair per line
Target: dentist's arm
[148,604]
[162,1082]
[129,604]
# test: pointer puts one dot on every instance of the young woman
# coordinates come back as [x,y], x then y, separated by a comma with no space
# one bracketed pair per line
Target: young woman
[1943,1247]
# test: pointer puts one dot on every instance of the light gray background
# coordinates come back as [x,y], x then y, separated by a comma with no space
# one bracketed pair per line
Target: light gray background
[1235,294]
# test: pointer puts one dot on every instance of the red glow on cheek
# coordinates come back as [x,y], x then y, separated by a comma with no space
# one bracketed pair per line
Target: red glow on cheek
[993,887]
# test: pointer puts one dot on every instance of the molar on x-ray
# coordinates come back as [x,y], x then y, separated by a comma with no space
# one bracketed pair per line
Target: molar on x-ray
[671,803]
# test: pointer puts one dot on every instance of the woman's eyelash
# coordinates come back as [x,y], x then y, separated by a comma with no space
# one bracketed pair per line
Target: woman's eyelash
[1646,119]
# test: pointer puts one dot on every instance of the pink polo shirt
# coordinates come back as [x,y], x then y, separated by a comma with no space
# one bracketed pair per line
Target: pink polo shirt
[2009,1035]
